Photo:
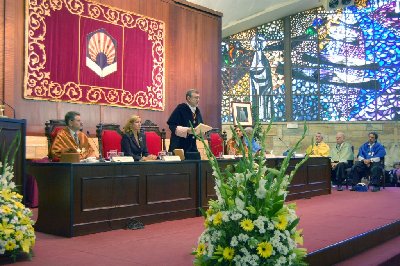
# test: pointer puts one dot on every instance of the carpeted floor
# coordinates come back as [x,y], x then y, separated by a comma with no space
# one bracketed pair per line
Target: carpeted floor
[325,220]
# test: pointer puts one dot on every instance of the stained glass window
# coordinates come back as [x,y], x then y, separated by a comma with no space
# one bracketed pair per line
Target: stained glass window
[343,65]
[252,71]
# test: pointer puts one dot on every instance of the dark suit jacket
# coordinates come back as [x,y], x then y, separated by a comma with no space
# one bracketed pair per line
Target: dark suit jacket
[182,116]
[131,148]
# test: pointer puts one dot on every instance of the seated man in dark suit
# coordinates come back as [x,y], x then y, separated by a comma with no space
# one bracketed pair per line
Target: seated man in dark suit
[369,161]
[340,155]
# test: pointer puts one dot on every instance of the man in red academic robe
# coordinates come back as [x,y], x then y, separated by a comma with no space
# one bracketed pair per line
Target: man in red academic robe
[71,139]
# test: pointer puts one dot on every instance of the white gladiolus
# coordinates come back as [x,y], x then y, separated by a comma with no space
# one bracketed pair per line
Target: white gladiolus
[261,191]
[239,204]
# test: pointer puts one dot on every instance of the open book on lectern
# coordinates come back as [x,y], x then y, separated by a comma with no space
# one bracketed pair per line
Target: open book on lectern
[202,128]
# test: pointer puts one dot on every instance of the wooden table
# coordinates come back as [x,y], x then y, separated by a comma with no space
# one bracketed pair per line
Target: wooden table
[312,179]
[83,198]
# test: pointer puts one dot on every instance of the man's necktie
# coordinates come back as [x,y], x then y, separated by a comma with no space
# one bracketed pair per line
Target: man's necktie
[76,138]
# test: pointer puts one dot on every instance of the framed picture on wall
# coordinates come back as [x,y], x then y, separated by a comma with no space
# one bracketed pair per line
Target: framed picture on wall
[242,113]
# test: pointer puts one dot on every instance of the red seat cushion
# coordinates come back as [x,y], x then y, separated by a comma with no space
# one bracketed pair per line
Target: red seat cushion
[53,136]
[216,144]
[153,142]
[54,133]
[111,141]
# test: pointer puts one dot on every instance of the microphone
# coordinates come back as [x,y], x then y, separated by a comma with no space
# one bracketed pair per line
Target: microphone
[95,146]
[287,151]
[12,108]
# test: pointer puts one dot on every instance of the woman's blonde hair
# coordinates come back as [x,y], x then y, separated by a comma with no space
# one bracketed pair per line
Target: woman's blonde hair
[128,126]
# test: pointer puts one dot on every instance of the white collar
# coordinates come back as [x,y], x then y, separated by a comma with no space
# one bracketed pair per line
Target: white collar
[72,132]
[192,108]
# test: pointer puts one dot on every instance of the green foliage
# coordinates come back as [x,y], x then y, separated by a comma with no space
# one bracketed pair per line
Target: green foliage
[16,228]
[249,219]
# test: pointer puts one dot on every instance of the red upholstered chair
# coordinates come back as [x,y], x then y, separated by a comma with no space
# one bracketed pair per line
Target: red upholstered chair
[216,141]
[155,140]
[31,191]
[51,130]
[109,136]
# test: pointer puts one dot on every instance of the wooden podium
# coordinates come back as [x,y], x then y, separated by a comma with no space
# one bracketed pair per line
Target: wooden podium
[9,128]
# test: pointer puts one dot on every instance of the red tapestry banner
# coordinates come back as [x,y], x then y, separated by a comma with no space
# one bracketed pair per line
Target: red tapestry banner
[81,51]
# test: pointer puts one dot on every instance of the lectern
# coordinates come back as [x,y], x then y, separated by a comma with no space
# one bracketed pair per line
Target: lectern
[9,128]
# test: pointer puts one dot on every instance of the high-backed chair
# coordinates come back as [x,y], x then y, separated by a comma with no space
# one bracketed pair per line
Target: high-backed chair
[216,141]
[31,190]
[51,130]
[155,139]
[109,136]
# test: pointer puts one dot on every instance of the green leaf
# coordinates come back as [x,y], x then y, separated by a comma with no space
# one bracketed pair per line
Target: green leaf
[203,213]
[293,224]
[251,209]
[277,206]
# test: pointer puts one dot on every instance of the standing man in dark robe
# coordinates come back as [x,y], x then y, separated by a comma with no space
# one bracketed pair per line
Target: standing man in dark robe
[179,123]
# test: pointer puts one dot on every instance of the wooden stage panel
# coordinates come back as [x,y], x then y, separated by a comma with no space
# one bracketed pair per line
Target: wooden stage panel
[96,193]
[168,187]
[128,191]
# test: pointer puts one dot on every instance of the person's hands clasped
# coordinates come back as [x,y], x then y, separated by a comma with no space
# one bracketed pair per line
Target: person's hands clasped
[367,161]
[150,157]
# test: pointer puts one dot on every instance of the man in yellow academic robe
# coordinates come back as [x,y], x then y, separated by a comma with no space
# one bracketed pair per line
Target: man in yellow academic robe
[71,139]
[320,148]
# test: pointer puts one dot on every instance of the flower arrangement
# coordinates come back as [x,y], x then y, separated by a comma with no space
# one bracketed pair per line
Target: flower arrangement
[16,228]
[249,223]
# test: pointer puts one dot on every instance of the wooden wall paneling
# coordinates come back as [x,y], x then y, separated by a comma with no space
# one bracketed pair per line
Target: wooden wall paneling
[2,41]
[185,59]
[211,82]
[11,17]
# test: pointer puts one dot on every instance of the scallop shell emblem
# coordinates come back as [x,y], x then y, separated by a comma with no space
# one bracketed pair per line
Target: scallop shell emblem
[101,53]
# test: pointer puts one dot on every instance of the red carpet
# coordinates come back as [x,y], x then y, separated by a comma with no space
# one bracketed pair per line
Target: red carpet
[325,220]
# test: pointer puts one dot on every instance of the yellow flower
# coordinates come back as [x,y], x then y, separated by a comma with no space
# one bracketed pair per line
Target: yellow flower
[19,215]
[26,244]
[217,218]
[200,249]
[205,223]
[18,196]
[19,205]
[18,235]
[228,253]
[10,245]
[7,228]
[247,225]
[6,194]
[283,222]
[25,221]
[209,212]
[264,249]
[6,209]
[298,237]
